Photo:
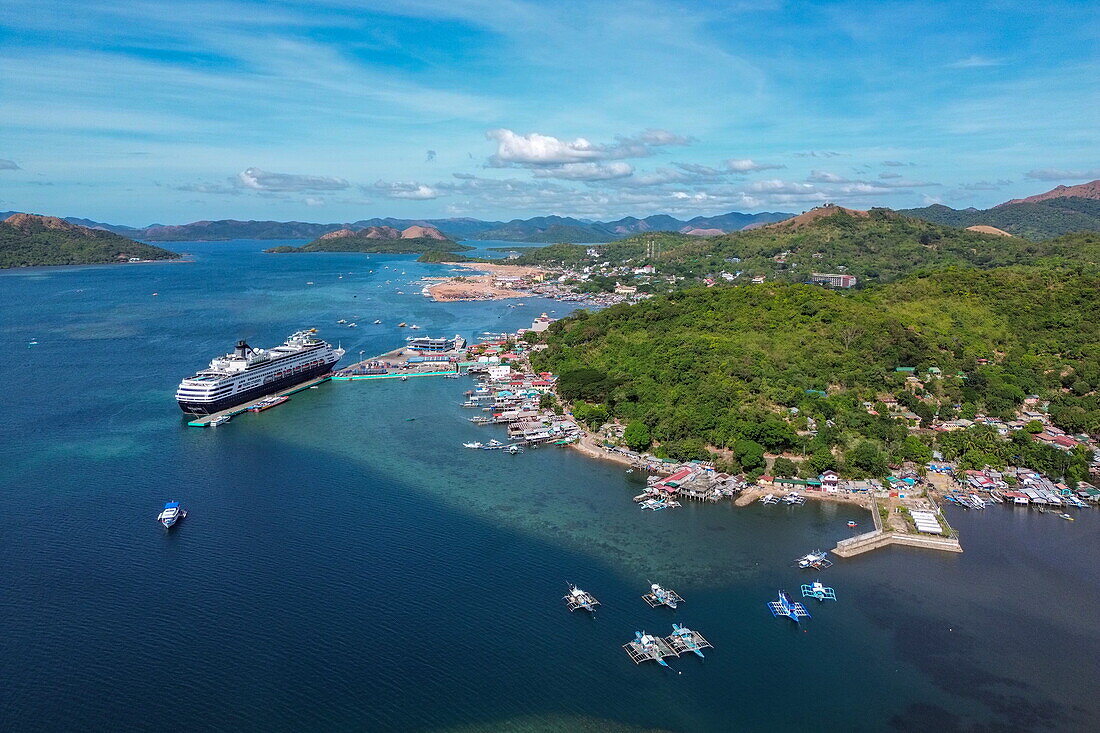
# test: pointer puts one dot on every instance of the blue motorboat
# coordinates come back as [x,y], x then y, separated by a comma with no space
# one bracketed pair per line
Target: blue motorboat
[171,514]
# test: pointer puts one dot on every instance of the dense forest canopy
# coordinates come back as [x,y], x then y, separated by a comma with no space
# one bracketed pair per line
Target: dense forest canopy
[742,369]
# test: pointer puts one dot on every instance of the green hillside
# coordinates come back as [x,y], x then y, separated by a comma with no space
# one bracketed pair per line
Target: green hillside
[877,248]
[724,367]
[27,241]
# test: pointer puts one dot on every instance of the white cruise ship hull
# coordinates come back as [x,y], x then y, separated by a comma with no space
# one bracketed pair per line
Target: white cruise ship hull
[248,374]
[224,403]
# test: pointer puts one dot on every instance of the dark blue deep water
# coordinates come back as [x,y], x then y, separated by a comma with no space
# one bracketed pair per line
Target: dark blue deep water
[346,565]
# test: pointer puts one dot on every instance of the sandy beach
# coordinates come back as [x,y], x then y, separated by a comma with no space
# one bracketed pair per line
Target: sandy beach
[479,286]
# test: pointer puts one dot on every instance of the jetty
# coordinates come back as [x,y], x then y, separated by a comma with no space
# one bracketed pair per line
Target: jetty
[882,537]
[203,421]
[394,375]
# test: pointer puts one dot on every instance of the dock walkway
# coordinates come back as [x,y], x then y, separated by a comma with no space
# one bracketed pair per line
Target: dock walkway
[394,375]
[203,421]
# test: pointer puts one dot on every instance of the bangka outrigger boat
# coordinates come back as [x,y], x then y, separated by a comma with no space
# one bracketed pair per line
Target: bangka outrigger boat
[818,591]
[786,607]
[818,560]
[577,598]
[684,639]
[659,596]
[647,647]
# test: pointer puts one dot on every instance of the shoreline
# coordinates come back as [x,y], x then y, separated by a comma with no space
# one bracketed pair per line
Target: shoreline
[458,288]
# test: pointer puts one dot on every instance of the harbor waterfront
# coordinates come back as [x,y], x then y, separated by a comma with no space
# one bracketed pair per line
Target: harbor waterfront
[346,564]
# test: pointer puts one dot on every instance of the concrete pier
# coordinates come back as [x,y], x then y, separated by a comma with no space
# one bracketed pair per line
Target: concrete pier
[203,421]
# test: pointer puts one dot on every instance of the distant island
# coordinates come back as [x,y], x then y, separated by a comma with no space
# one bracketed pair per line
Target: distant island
[28,240]
[381,239]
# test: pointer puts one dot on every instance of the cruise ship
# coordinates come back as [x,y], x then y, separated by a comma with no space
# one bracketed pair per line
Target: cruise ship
[248,373]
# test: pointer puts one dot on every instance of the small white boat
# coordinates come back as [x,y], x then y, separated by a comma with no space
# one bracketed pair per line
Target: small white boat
[817,559]
[219,421]
[1065,516]
[476,444]
[577,598]
[377,322]
[342,321]
[414,327]
[404,378]
[171,514]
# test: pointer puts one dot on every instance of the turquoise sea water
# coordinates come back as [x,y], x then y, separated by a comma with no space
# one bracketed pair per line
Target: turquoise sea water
[346,565]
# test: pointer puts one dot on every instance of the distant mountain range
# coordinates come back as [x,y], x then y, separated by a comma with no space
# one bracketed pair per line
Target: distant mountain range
[1059,211]
[1090,190]
[537,229]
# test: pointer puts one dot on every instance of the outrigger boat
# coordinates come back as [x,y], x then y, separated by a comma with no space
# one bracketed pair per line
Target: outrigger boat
[577,598]
[684,639]
[818,591]
[786,607]
[655,505]
[646,646]
[659,596]
[818,560]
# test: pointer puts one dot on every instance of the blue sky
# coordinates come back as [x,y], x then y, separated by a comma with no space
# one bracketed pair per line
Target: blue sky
[136,112]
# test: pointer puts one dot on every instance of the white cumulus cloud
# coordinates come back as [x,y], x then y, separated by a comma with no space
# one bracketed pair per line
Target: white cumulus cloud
[261,180]
[535,149]
[825,177]
[406,190]
[586,171]
[748,165]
